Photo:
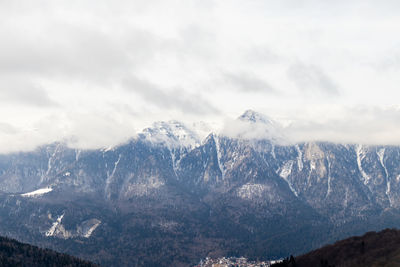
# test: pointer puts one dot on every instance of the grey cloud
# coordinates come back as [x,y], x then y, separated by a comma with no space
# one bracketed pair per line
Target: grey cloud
[84,52]
[262,55]
[196,41]
[7,128]
[362,124]
[86,130]
[168,98]
[26,93]
[390,62]
[69,51]
[311,78]
[248,83]
[254,130]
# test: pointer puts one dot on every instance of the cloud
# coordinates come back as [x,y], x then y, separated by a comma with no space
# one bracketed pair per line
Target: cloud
[389,62]
[72,52]
[24,93]
[91,130]
[352,125]
[76,129]
[248,83]
[169,98]
[203,59]
[7,128]
[253,131]
[262,54]
[312,79]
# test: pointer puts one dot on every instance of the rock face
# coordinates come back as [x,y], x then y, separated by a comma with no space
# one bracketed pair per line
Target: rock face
[169,198]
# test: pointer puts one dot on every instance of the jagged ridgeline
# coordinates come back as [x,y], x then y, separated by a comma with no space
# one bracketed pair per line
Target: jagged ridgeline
[169,198]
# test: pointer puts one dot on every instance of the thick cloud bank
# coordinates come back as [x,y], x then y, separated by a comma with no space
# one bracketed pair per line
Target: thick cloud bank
[95,73]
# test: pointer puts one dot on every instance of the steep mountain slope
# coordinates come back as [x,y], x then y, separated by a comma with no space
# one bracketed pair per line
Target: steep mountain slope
[167,197]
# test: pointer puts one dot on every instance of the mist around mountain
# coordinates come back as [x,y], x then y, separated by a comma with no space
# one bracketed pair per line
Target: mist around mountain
[168,197]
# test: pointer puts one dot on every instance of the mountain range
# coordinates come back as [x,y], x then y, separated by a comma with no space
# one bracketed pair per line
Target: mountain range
[167,197]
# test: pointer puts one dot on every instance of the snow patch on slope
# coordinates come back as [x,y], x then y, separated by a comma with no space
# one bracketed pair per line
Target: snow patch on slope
[38,192]
[286,169]
[250,191]
[140,189]
[85,229]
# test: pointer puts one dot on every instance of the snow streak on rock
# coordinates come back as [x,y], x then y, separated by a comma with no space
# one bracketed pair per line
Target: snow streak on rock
[299,158]
[219,155]
[360,156]
[53,228]
[111,176]
[285,172]
[91,229]
[381,155]
[273,151]
[329,190]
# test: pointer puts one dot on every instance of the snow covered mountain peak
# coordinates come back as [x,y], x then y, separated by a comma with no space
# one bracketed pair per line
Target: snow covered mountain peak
[172,133]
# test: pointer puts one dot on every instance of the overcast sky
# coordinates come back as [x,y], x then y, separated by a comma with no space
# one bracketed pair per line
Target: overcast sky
[95,72]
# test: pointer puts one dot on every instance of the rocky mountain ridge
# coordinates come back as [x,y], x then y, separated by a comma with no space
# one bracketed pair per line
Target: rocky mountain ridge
[168,197]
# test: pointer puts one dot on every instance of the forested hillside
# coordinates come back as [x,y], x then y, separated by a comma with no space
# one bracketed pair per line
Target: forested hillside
[14,253]
[372,249]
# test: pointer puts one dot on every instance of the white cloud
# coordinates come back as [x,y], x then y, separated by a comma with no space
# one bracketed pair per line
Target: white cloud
[167,98]
[359,124]
[25,92]
[257,131]
[201,60]
[312,79]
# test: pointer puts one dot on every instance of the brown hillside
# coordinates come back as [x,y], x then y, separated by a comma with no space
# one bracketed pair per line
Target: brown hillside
[371,249]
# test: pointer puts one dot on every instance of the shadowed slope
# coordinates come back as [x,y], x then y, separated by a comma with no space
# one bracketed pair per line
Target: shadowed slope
[14,253]
[371,249]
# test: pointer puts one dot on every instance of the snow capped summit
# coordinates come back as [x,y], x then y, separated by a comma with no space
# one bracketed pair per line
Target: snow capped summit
[255,117]
[250,125]
[172,133]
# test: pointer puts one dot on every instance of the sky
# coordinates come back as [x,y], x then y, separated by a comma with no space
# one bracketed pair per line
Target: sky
[93,73]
